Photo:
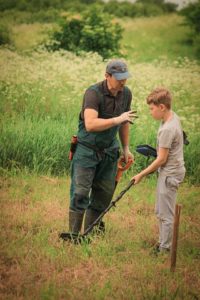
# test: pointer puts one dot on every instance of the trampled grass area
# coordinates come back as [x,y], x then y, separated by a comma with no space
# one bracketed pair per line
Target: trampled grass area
[35,264]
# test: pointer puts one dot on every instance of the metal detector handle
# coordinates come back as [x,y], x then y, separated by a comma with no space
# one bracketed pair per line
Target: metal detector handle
[121,167]
[131,183]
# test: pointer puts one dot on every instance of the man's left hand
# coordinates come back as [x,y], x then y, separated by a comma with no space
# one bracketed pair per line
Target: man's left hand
[127,154]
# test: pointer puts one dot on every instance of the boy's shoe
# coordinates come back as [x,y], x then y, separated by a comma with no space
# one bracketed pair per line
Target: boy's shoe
[164,250]
[157,250]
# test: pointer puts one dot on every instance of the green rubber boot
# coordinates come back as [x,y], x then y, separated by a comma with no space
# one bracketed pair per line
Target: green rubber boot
[91,216]
[75,221]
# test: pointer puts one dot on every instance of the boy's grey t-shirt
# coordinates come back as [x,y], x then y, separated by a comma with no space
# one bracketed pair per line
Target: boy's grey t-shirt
[170,135]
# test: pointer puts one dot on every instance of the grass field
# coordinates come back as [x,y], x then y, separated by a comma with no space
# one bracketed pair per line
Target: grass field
[148,39]
[35,264]
[40,99]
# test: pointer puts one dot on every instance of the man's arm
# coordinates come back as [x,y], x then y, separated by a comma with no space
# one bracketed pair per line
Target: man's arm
[124,138]
[124,134]
[158,162]
[93,123]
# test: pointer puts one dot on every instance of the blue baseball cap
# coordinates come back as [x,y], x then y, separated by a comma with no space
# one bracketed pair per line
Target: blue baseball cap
[118,69]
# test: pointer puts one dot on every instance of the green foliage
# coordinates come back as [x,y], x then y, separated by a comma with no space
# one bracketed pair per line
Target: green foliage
[5,38]
[37,5]
[156,7]
[35,145]
[192,17]
[100,35]
[44,16]
[148,10]
[122,9]
[192,159]
[33,5]
[119,9]
[140,8]
[69,36]
[50,15]
[9,4]
[41,95]
[196,43]
[95,32]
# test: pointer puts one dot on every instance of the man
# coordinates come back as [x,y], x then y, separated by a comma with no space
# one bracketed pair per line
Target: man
[105,112]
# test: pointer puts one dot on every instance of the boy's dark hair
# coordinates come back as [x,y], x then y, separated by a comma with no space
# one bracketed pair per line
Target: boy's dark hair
[160,96]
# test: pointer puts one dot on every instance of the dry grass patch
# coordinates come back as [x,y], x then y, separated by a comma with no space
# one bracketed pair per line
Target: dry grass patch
[35,264]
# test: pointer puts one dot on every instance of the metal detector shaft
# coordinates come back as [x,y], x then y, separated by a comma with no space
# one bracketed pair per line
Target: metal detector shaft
[112,203]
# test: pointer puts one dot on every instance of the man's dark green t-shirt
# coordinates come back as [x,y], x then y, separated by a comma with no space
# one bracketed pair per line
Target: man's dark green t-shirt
[113,104]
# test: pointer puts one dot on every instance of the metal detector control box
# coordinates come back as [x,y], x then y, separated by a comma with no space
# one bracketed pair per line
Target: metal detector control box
[146,150]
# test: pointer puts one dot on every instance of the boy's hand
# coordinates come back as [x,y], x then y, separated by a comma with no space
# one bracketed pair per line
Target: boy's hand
[137,178]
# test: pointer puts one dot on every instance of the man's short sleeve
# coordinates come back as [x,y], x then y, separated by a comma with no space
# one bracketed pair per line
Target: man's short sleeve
[165,138]
[91,100]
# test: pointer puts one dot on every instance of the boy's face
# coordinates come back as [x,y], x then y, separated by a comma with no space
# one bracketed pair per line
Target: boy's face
[157,111]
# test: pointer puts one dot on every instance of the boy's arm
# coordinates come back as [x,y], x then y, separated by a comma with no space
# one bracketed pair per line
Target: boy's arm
[159,161]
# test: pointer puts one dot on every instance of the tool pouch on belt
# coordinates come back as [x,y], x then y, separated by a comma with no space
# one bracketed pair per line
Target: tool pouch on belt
[113,153]
[73,145]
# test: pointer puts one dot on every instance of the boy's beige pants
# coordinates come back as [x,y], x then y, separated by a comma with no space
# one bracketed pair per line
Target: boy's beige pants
[167,187]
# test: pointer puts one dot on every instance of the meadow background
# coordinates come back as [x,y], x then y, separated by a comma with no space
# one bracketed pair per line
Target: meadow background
[40,100]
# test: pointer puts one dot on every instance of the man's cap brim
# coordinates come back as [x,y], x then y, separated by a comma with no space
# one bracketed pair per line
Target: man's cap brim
[122,76]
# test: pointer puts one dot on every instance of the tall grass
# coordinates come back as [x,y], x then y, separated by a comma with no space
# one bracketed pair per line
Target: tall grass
[41,146]
[41,97]
[147,39]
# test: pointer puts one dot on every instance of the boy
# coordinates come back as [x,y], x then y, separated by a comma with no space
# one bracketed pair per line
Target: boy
[169,163]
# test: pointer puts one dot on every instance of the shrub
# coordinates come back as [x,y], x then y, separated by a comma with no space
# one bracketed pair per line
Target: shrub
[69,36]
[100,35]
[140,8]
[37,5]
[5,38]
[147,10]
[123,9]
[196,43]
[9,4]
[119,9]
[95,32]
[156,7]
[191,14]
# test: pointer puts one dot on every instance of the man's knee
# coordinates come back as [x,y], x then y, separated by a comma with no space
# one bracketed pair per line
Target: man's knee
[79,202]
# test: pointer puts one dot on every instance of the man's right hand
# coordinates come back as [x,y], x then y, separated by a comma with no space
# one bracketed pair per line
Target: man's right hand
[127,116]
